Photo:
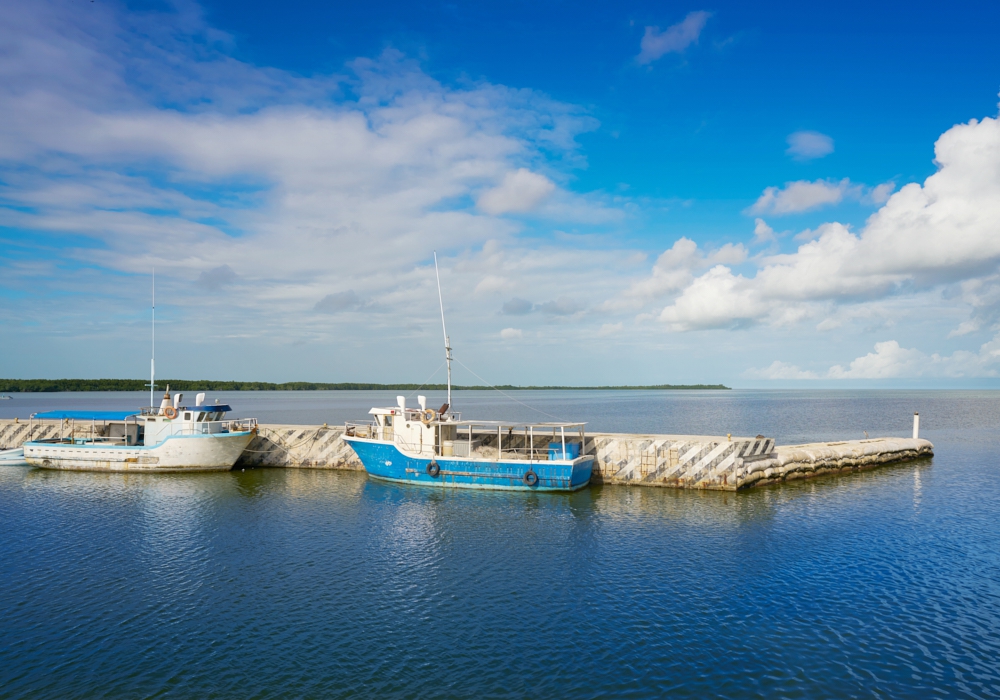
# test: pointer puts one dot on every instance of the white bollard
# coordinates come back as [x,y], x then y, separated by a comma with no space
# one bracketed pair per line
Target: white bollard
[916,426]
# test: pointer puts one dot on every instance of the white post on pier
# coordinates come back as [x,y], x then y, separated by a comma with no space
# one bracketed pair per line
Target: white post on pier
[916,425]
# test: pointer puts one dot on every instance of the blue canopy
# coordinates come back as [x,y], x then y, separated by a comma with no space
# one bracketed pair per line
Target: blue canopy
[85,415]
[211,408]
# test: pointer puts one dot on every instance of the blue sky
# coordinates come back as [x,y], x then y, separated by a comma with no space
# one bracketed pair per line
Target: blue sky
[785,195]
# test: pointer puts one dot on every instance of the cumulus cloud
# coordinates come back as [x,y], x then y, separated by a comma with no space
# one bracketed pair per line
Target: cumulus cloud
[674,39]
[807,145]
[673,270]
[715,299]
[945,229]
[511,333]
[890,360]
[520,192]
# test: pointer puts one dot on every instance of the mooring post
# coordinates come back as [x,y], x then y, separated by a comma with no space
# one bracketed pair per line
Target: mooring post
[916,425]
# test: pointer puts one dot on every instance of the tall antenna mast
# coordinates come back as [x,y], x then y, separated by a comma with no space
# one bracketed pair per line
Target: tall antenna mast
[447,340]
[152,358]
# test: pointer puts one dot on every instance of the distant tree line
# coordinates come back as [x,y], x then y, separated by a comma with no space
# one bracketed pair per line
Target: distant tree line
[44,385]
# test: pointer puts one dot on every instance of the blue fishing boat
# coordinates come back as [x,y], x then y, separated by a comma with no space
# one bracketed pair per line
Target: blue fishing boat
[439,448]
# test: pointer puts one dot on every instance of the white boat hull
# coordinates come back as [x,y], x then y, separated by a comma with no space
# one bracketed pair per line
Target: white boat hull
[178,453]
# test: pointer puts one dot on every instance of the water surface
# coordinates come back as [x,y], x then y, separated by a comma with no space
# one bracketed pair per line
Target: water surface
[299,583]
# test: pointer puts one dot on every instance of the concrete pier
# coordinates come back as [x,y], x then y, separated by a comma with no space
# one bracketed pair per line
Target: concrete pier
[726,463]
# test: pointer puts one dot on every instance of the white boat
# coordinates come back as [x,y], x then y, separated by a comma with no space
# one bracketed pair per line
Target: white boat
[170,438]
[13,458]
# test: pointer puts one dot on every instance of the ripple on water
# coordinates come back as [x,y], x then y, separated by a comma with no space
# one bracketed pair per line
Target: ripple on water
[276,583]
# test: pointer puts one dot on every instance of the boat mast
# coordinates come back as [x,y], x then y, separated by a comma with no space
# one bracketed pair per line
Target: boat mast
[447,340]
[152,358]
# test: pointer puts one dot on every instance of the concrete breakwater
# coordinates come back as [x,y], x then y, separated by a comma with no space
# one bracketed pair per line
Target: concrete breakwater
[727,463]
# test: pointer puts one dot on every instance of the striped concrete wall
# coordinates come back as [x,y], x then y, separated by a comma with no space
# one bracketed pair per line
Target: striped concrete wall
[305,446]
[677,461]
[14,434]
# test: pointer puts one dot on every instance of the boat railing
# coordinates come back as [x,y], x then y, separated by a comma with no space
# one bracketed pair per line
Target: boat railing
[241,425]
[233,425]
[361,429]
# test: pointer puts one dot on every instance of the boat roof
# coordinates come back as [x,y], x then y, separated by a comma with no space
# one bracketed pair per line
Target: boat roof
[208,407]
[84,415]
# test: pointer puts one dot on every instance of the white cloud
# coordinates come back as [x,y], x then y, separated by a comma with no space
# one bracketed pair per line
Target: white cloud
[491,284]
[511,333]
[888,361]
[674,269]
[892,361]
[762,233]
[674,39]
[717,298]
[807,145]
[945,230]
[779,370]
[800,196]
[520,191]
[880,193]
[803,195]
[610,329]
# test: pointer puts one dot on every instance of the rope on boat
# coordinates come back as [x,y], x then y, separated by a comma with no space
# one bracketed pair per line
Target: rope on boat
[508,395]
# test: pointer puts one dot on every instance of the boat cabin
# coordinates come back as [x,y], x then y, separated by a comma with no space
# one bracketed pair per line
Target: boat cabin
[148,427]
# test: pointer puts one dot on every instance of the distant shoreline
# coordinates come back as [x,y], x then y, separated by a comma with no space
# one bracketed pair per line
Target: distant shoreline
[52,385]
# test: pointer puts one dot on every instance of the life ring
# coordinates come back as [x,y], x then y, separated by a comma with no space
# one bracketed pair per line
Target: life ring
[170,412]
[530,478]
[427,416]
[433,468]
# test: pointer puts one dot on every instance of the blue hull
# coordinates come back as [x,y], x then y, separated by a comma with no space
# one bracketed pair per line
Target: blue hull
[383,460]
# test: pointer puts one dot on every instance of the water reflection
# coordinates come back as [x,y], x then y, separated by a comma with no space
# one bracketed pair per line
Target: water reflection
[312,583]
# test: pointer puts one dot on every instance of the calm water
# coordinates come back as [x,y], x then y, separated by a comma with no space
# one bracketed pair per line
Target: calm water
[298,583]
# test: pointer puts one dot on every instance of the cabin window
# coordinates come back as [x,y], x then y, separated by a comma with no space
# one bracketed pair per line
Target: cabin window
[388,421]
[151,420]
[201,416]
[187,416]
